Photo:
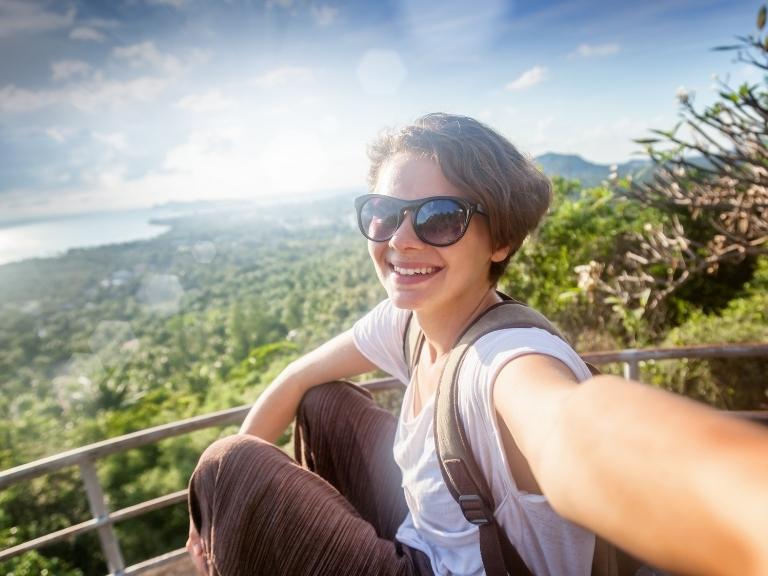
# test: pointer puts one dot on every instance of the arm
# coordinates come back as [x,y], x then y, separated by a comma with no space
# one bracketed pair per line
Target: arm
[667,479]
[276,407]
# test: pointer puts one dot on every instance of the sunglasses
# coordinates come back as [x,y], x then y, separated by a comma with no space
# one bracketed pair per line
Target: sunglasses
[437,220]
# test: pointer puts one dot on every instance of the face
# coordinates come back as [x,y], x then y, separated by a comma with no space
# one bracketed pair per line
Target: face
[416,275]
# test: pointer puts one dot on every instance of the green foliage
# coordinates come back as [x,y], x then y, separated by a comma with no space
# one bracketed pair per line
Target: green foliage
[35,564]
[85,356]
[40,506]
[736,383]
[583,226]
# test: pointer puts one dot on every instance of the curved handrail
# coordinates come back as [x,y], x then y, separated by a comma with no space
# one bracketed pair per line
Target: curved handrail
[85,456]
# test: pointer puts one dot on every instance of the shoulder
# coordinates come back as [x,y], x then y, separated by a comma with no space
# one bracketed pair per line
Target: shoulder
[496,365]
[493,351]
[379,336]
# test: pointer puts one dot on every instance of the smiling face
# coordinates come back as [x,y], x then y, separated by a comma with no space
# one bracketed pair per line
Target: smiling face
[421,277]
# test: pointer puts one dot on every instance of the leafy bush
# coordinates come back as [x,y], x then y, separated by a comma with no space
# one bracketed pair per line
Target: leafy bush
[584,227]
[736,383]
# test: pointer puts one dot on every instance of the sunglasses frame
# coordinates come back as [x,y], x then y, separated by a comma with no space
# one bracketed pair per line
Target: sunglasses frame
[413,207]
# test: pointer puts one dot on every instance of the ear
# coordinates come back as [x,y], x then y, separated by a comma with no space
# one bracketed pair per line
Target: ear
[500,254]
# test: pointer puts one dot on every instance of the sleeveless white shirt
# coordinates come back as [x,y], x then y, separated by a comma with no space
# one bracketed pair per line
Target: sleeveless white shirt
[548,543]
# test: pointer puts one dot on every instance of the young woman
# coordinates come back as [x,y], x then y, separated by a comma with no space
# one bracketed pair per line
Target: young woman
[452,201]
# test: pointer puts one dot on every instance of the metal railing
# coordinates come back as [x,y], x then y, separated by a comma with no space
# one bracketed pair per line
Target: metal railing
[103,520]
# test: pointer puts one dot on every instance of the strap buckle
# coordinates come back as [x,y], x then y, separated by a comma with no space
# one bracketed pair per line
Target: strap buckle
[475,510]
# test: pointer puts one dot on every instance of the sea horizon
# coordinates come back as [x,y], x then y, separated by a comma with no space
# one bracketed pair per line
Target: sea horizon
[53,236]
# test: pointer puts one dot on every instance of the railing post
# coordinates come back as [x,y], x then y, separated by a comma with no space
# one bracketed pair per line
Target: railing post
[107,537]
[632,367]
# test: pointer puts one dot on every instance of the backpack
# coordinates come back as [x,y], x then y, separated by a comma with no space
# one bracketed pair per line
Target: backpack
[460,471]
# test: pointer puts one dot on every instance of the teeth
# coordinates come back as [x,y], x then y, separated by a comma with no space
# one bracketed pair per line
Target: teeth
[412,271]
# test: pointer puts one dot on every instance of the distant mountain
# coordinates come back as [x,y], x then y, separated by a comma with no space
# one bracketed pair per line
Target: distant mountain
[574,167]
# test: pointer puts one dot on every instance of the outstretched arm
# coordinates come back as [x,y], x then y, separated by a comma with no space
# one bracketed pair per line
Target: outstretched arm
[667,479]
[276,407]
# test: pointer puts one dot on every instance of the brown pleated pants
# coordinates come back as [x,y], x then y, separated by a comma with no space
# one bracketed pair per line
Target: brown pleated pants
[259,512]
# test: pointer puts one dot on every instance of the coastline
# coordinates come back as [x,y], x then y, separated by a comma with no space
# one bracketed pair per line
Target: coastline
[54,237]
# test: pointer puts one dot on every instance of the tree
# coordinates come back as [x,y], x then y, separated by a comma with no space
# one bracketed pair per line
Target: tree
[711,177]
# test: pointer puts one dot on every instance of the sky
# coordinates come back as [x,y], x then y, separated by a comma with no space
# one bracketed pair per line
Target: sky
[121,104]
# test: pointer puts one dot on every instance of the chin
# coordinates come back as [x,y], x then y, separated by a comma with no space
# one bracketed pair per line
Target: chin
[398,301]
[404,300]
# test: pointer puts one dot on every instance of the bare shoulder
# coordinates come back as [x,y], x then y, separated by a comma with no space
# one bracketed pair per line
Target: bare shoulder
[528,394]
[532,372]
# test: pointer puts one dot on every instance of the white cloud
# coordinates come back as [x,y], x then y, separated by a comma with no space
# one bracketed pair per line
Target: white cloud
[281,3]
[96,91]
[592,50]
[26,16]
[112,92]
[204,146]
[13,99]
[206,102]
[221,162]
[284,75]
[58,134]
[324,15]
[173,3]
[115,140]
[101,23]
[65,69]
[147,54]
[87,34]
[90,95]
[225,162]
[528,79]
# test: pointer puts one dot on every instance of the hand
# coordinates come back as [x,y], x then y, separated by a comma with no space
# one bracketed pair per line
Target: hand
[196,550]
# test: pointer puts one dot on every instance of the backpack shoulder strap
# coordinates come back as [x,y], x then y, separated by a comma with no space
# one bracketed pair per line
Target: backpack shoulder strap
[413,338]
[511,313]
[462,475]
[460,471]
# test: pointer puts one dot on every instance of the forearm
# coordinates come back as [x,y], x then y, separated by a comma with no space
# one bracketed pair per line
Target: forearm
[275,408]
[667,479]
[277,405]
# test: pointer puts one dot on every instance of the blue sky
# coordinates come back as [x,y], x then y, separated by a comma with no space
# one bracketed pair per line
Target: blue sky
[132,103]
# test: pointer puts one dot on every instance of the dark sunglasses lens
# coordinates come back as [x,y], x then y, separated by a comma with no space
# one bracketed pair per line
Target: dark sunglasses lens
[378,218]
[441,222]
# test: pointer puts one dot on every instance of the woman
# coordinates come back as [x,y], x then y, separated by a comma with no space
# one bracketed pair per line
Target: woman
[453,200]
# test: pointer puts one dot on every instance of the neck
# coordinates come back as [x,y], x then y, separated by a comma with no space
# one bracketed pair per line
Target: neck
[442,329]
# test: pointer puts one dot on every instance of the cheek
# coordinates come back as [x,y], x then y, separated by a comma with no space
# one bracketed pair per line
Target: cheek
[375,251]
[484,234]
[479,237]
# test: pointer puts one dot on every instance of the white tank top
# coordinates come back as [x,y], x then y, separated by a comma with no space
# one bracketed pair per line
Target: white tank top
[548,543]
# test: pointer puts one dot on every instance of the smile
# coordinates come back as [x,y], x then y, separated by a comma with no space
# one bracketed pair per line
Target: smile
[414,271]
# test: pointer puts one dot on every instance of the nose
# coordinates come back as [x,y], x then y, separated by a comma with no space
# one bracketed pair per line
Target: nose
[405,237]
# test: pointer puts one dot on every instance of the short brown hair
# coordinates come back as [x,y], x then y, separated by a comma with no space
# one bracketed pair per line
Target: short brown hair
[480,162]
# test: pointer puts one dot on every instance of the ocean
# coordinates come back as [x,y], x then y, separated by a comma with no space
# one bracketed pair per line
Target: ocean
[54,237]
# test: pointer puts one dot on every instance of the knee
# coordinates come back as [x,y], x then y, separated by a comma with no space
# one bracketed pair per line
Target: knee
[224,468]
[324,397]
[226,455]
[233,447]
[318,395]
